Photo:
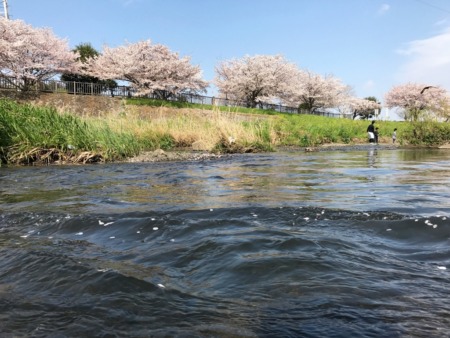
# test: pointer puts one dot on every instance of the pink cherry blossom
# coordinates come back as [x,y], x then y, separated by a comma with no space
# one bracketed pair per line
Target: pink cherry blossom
[148,68]
[415,100]
[29,55]
[313,91]
[253,79]
[361,107]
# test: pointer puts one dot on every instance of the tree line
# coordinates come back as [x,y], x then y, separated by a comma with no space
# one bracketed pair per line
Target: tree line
[29,55]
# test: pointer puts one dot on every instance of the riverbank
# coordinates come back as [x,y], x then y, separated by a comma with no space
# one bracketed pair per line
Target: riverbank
[36,135]
[160,155]
[189,155]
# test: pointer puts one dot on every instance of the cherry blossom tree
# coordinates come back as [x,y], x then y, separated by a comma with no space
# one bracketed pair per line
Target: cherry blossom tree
[254,79]
[312,91]
[84,51]
[445,112]
[29,55]
[149,69]
[364,108]
[417,100]
[76,82]
[357,107]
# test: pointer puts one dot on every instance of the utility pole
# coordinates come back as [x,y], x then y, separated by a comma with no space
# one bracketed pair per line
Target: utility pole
[5,9]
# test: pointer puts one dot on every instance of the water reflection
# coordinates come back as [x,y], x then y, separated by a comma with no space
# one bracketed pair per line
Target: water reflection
[371,157]
[426,155]
[363,180]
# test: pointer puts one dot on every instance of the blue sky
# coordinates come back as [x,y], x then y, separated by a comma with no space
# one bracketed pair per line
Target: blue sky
[370,45]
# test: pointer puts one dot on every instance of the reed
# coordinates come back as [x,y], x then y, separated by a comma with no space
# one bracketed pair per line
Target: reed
[211,131]
[31,134]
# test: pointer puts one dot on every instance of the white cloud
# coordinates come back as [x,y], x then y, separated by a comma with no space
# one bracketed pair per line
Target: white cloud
[427,61]
[383,9]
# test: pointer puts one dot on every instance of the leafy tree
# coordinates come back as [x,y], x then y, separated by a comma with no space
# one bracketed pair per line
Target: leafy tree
[77,81]
[83,51]
[29,55]
[417,101]
[254,79]
[149,69]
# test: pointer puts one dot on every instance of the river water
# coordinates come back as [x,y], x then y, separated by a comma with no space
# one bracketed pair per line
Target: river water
[288,244]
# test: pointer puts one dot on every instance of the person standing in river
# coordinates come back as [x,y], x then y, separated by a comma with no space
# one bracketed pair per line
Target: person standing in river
[371,132]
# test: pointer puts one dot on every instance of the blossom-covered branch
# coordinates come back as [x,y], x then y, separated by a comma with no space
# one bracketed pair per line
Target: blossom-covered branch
[149,68]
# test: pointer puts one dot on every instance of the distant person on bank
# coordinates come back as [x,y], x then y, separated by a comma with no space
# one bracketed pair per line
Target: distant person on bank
[394,135]
[371,132]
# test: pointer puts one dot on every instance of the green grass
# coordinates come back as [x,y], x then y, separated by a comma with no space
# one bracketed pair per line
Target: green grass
[29,134]
[312,130]
[176,104]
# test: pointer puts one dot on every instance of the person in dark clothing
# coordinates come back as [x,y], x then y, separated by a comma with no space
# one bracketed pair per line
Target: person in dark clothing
[376,133]
[371,132]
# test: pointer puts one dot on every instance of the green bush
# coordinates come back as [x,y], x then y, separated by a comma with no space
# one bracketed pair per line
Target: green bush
[428,133]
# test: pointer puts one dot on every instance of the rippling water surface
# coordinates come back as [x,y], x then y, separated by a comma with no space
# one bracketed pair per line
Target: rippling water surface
[326,244]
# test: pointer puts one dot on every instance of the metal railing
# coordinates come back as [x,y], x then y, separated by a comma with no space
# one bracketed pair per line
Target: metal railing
[85,88]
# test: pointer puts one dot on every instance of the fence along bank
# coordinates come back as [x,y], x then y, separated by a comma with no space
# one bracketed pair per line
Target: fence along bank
[100,89]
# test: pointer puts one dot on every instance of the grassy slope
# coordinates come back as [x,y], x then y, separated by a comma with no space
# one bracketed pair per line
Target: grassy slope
[31,134]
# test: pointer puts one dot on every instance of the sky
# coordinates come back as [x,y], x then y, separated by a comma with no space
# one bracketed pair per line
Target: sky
[370,45]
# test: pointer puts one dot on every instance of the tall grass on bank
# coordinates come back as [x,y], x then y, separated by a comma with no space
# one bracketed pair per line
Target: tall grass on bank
[31,134]
[428,133]
[298,129]
[199,130]
[215,130]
